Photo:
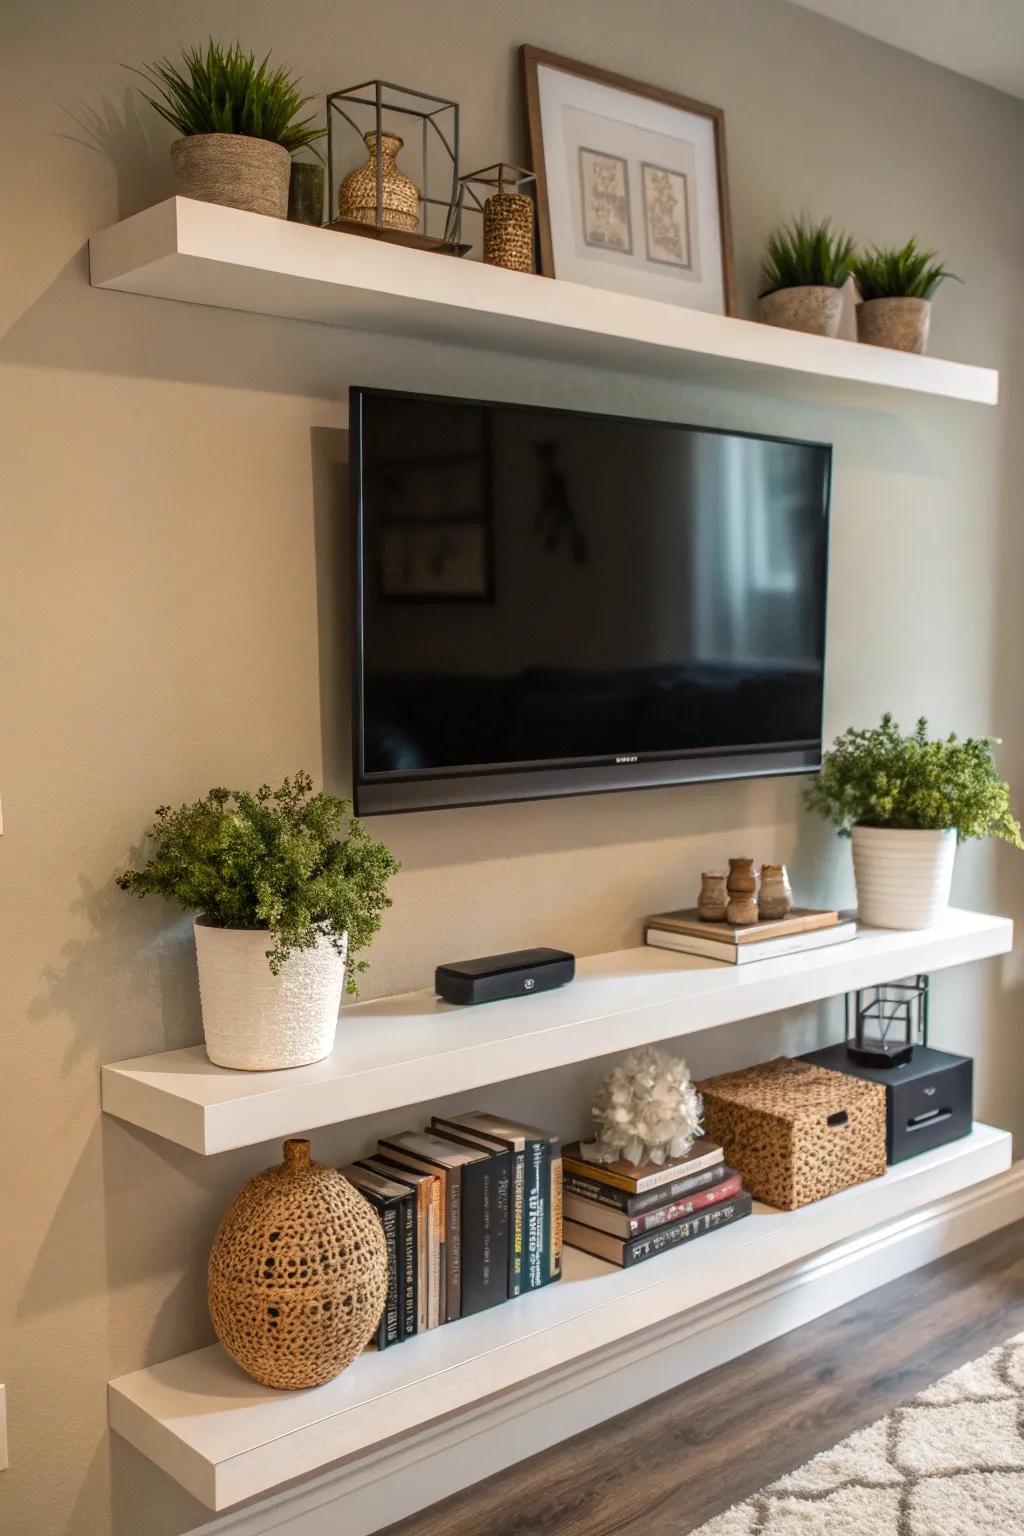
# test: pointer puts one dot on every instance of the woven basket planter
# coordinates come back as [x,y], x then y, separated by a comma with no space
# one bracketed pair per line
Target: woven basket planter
[298,1273]
[903,878]
[235,170]
[817,310]
[255,1021]
[898,323]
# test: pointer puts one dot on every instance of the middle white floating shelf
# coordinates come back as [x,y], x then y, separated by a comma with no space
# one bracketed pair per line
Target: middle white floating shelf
[399,1051]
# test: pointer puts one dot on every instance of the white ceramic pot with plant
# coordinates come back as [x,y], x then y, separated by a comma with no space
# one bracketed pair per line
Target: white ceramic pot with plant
[289,889]
[896,288]
[236,120]
[803,271]
[907,801]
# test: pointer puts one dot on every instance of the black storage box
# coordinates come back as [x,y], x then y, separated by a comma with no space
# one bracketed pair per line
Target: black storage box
[928,1100]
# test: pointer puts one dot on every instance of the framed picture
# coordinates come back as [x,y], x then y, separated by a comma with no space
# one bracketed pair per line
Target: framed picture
[632,190]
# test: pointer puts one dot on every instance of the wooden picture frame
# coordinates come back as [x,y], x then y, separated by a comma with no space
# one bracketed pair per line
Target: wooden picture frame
[636,250]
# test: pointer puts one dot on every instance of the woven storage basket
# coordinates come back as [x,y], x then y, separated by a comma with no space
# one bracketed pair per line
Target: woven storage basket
[298,1273]
[796,1132]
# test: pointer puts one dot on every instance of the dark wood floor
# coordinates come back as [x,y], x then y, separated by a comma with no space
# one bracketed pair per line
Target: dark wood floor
[668,1466]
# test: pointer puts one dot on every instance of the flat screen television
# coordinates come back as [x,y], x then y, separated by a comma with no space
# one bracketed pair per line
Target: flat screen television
[551,602]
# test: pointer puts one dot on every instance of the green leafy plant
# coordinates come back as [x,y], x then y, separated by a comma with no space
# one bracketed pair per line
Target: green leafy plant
[294,863]
[225,90]
[803,254]
[881,778]
[903,273]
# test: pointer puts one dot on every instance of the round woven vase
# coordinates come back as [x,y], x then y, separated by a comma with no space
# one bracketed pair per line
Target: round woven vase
[255,1021]
[399,197]
[298,1273]
[235,170]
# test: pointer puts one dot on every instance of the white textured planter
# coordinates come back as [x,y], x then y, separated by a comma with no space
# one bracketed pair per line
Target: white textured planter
[903,878]
[256,1021]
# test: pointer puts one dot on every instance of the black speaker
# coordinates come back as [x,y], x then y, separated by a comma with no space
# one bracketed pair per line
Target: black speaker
[519,974]
[928,1099]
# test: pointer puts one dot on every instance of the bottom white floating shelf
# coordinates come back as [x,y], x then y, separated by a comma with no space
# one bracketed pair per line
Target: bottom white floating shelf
[225,1438]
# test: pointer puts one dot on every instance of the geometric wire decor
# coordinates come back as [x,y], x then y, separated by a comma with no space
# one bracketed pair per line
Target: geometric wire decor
[883,1023]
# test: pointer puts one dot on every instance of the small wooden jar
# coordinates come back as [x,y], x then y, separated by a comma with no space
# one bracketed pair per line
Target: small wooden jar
[713,901]
[742,877]
[775,896]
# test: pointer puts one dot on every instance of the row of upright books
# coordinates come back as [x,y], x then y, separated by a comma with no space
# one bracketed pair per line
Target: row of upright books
[626,1213]
[472,1216]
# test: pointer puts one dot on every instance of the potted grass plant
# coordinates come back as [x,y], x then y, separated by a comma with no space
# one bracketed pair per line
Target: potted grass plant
[288,889]
[907,801]
[896,287]
[804,268]
[239,126]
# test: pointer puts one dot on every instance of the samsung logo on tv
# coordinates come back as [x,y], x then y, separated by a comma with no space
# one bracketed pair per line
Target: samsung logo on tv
[629,759]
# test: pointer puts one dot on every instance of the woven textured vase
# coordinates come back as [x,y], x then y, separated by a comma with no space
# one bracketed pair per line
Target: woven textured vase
[298,1273]
[902,324]
[255,1021]
[508,231]
[817,310]
[399,197]
[235,170]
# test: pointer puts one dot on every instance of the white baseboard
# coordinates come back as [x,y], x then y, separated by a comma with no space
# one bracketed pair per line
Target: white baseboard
[361,1497]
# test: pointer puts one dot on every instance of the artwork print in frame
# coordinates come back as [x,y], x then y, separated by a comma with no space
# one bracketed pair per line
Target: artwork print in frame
[632,188]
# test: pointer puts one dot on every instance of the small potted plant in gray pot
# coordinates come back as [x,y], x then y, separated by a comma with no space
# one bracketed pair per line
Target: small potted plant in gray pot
[802,274]
[288,889]
[237,123]
[896,288]
[907,801]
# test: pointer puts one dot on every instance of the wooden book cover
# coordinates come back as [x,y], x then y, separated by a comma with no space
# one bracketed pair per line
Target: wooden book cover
[799,920]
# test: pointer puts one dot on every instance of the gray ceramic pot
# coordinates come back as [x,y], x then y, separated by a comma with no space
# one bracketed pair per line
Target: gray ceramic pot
[235,170]
[814,309]
[899,323]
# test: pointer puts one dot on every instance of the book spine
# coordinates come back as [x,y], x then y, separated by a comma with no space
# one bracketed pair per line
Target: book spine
[453,1246]
[665,1215]
[389,1329]
[634,1205]
[517,1222]
[484,1234]
[652,1243]
[554,1228]
[535,1201]
[435,1304]
[409,1260]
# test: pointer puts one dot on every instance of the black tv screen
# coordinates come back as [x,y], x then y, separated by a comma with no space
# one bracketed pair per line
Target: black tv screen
[550,602]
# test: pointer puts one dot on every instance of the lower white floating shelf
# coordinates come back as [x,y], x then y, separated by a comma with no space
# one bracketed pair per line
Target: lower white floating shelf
[225,1438]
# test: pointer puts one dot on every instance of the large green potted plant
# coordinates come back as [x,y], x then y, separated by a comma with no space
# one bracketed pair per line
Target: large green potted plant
[896,288]
[802,274]
[907,801]
[288,889]
[237,120]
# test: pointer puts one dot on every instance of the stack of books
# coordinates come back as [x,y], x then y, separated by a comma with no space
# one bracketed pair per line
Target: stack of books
[472,1216]
[803,928]
[625,1212]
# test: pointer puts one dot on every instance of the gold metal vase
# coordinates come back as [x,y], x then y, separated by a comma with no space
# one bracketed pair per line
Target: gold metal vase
[399,196]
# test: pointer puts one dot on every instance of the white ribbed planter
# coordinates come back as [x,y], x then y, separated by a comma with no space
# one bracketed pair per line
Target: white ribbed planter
[255,1021]
[903,878]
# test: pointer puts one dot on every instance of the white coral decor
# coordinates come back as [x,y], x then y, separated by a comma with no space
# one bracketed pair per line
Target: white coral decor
[647,1110]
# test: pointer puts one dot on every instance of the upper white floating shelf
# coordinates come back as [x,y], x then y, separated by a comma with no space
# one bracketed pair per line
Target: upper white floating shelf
[202,253]
[405,1050]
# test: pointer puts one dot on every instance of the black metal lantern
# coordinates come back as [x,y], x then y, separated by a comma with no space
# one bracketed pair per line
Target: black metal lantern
[884,1023]
[415,202]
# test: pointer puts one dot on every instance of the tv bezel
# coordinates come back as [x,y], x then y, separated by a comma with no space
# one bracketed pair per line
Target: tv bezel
[450,788]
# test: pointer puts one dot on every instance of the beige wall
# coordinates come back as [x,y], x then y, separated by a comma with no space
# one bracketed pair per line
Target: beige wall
[166,476]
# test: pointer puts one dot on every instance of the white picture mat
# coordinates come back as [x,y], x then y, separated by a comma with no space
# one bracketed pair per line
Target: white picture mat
[624,111]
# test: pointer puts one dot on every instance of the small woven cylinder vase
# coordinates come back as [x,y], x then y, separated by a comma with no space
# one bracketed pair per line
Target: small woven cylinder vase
[233,169]
[399,197]
[298,1273]
[508,231]
[255,1021]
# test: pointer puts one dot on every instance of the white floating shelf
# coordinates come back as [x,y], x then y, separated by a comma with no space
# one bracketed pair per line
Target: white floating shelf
[201,253]
[226,1438]
[409,1049]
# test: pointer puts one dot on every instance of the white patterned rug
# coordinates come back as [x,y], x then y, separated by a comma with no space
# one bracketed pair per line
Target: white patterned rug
[948,1463]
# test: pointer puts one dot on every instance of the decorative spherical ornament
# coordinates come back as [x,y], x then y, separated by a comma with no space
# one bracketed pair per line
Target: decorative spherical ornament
[298,1273]
[647,1110]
